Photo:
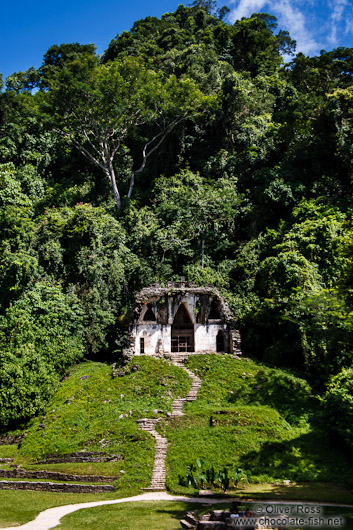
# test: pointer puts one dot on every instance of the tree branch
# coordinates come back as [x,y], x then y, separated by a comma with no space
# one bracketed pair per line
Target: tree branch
[146,154]
[82,149]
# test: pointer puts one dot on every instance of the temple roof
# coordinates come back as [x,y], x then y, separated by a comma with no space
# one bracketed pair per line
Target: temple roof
[181,288]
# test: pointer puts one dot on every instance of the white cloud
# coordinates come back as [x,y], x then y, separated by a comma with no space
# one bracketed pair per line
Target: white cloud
[347,17]
[338,10]
[290,17]
[349,23]
[314,24]
[294,20]
[246,8]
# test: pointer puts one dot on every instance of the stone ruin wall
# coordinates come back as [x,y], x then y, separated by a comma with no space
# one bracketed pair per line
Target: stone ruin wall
[165,301]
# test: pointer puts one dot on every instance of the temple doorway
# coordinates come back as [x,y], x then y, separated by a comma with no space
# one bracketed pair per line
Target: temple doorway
[220,341]
[182,331]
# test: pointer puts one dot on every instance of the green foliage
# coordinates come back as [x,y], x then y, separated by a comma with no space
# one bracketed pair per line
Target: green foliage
[197,215]
[93,411]
[22,81]
[240,172]
[338,406]
[325,323]
[239,475]
[41,335]
[51,320]
[97,107]
[249,44]
[254,47]
[247,383]
[87,247]
[96,406]
[10,188]
[223,478]
[290,287]
[27,382]
[247,416]
[58,57]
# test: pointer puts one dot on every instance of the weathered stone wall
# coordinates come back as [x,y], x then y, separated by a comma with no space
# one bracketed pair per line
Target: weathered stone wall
[80,457]
[165,302]
[52,486]
[53,475]
[214,520]
[156,337]
[10,439]
[235,342]
[206,337]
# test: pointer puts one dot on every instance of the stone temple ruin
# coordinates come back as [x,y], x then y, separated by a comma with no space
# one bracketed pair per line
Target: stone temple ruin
[181,318]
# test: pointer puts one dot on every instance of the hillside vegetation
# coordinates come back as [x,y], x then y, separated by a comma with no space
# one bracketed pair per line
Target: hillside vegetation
[245,416]
[91,411]
[263,420]
[189,148]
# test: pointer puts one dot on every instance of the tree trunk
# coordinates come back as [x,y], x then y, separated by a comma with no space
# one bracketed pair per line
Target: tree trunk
[111,175]
[132,183]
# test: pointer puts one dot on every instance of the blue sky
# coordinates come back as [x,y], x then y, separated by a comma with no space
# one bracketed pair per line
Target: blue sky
[315,24]
[28,29]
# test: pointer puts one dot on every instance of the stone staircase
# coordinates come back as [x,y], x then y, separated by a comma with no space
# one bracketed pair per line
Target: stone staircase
[190,522]
[158,474]
[177,407]
[149,425]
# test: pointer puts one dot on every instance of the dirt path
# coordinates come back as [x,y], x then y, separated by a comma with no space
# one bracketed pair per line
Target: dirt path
[51,517]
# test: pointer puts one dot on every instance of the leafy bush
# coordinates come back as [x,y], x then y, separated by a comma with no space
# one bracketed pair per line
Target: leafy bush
[338,406]
[40,336]
[198,476]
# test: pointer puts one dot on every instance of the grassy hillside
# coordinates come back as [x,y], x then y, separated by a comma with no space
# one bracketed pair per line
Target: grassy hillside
[92,411]
[261,419]
[258,418]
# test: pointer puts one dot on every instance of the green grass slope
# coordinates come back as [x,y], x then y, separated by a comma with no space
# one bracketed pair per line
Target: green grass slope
[250,416]
[94,411]
[156,515]
[159,515]
[246,415]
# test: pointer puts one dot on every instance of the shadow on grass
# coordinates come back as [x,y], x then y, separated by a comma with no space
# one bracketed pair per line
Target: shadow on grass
[247,382]
[308,457]
[289,395]
[179,512]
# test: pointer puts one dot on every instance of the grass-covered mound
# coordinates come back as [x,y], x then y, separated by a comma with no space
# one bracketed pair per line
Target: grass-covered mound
[246,415]
[254,417]
[95,412]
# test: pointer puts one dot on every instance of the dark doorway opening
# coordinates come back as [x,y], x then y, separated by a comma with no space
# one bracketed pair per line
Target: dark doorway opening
[220,341]
[182,331]
[214,313]
[149,315]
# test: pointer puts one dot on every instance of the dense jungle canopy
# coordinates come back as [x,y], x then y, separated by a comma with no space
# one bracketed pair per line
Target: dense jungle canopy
[190,148]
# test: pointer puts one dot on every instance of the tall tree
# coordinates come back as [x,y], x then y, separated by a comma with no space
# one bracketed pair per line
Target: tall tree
[97,107]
